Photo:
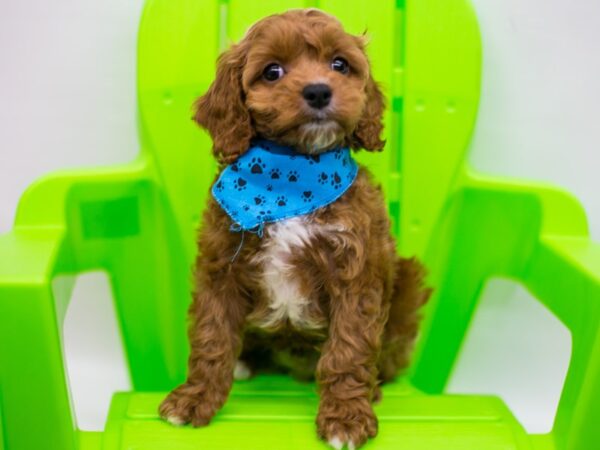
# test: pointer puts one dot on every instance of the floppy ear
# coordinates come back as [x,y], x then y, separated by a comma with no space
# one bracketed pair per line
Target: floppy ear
[368,130]
[222,111]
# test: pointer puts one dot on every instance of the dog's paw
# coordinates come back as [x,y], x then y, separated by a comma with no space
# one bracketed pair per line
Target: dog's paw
[241,371]
[339,444]
[188,404]
[346,424]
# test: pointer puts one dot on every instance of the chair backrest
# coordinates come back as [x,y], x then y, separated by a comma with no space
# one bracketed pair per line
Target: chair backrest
[425,53]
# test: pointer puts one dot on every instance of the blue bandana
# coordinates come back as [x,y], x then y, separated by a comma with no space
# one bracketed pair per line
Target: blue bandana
[271,182]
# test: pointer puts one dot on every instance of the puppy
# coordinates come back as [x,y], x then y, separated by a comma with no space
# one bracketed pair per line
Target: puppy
[322,294]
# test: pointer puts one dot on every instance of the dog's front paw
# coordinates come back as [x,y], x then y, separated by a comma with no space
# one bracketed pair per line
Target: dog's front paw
[241,371]
[188,404]
[346,423]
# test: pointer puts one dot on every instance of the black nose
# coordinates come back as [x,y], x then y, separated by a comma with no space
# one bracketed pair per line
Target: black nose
[317,95]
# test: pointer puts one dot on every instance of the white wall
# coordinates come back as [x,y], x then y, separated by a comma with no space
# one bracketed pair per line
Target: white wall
[540,107]
[67,77]
[67,89]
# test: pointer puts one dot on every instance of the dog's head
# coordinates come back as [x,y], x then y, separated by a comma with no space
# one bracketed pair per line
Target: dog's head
[296,78]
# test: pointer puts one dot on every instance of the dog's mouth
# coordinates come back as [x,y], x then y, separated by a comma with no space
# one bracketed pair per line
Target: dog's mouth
[322,116]
[319,134]
[322,122]
[319,118]
[312,132]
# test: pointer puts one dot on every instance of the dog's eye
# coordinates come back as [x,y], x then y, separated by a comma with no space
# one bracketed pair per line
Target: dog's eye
[273,72]
[340,65]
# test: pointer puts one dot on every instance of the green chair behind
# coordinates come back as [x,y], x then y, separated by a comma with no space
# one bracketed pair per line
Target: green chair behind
[137,222]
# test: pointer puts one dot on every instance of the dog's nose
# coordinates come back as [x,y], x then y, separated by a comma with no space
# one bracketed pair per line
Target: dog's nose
[317,95]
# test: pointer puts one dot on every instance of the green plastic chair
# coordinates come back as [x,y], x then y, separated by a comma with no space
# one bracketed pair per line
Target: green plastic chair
[137,222]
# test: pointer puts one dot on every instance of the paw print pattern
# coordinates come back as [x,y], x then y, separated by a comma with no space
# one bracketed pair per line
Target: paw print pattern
[336,180]
[256,166]
[264,215]
[313,159]
[262,188]
[281,200]
[293,176]
[240,184]
[265,146]
[307,196]
[347,159]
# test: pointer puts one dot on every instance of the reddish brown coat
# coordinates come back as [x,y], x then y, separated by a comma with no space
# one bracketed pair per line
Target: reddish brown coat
[362,296]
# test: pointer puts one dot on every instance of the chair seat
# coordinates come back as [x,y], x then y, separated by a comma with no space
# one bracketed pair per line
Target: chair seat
[275,412]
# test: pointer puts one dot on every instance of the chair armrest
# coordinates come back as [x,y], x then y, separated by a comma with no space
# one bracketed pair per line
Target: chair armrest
[56,216]
[564,274]
[515,229]
[33,387]
[45,202]
[560,212]
[491,227]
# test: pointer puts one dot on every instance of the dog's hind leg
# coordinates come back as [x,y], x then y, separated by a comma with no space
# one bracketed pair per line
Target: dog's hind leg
[401,329]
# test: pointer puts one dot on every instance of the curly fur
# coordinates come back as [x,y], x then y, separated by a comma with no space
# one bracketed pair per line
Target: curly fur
[326,297]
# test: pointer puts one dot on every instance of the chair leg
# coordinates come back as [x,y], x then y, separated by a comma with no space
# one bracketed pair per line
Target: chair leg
[35,406]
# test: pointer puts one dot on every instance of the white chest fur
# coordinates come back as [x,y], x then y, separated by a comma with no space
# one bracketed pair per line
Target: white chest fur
[280,276]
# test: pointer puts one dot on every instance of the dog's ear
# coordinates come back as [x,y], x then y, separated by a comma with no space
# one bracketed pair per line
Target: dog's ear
[222,110]
[367,134]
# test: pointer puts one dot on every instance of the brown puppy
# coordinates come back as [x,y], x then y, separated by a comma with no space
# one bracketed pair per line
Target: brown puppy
[322,294]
